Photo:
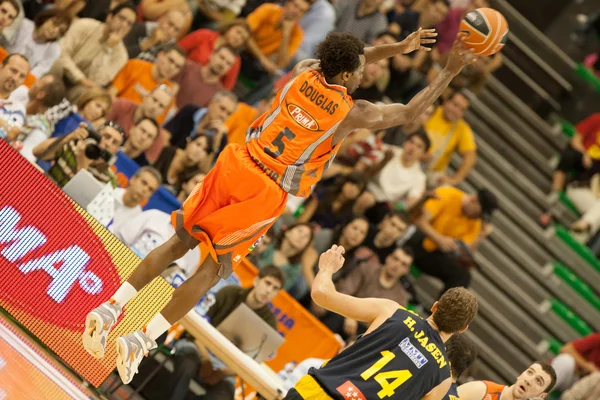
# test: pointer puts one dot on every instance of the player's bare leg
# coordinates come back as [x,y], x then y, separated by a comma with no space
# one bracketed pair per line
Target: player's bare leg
[132,348]
[103,318]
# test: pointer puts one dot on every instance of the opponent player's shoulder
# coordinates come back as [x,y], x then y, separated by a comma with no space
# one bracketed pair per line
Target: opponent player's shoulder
[475,390]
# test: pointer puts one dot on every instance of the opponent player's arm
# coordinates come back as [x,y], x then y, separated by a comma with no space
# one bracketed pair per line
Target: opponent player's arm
[370,310]
[472,391]
[439,392]
[414,41]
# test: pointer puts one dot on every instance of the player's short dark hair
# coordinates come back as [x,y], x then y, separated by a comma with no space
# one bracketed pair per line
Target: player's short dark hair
[121,7]
[273,272]
[61,16]
[456,310]
[461,352]
[547,368]
[338,53]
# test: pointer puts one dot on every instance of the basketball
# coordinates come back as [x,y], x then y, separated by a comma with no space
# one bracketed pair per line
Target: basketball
[486,30]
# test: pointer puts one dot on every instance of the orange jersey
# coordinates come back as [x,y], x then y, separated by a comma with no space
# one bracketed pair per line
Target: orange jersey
[293,141]
[493,390]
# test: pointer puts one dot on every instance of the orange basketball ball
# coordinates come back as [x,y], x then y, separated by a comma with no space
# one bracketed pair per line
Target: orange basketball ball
[486,29]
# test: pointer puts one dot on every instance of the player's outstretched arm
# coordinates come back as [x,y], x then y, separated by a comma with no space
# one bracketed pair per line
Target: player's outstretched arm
[325,295]
[371,116]
[414,41]
[472,391]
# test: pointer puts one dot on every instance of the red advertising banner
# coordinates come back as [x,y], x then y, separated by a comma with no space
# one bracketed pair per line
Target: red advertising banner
[57,263]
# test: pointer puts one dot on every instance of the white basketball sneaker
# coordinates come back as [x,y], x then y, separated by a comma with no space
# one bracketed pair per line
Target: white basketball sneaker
[98,324]
[131,349]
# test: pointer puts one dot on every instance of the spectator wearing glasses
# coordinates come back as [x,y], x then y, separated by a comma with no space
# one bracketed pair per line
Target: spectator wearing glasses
[140,138]
[93,52]
[147,38]
[38,40]
[199,83]
[200,45]
[139,77]
[126,113]
[9,11]
[69,154]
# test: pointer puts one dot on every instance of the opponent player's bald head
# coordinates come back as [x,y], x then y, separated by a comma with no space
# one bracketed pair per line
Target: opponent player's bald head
[455,310]
[341,59]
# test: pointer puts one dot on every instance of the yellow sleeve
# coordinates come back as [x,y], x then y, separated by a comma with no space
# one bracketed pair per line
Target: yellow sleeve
[466,139]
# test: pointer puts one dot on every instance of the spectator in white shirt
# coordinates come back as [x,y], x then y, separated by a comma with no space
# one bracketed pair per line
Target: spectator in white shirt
[128,202]
[398,179]
[38,40]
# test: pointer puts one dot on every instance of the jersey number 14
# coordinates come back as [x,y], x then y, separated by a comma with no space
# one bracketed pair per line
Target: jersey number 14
[390,380]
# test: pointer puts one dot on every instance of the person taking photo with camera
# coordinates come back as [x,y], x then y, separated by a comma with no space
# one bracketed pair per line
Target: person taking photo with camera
[83,148]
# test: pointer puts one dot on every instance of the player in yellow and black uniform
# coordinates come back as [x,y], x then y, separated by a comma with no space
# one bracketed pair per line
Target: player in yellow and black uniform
[461,354]
[401,356]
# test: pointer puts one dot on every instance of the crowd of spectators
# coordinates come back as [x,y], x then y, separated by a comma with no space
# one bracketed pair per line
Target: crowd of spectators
[167,84]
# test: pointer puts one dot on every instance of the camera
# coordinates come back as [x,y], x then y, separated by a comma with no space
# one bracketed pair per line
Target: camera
[92,150]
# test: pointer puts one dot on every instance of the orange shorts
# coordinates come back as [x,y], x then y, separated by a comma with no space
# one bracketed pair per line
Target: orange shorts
[231,209]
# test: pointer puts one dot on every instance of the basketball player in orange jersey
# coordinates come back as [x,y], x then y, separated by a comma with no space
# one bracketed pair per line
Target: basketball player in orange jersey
[537,381]
[287,150]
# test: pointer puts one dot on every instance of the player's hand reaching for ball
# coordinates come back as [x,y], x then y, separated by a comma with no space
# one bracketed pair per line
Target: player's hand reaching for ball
[417,40]
[332,260]
[460,56]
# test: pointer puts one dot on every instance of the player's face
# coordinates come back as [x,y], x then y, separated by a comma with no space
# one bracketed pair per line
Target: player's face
[236,36]
[455,107]
[142,186]
[354,81]
[392,227]
[265,289]
[397,264]
[355,232]
[531,383]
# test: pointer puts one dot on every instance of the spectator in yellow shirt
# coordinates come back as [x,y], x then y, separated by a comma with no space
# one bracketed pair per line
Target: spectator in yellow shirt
[448,219]
[450,133]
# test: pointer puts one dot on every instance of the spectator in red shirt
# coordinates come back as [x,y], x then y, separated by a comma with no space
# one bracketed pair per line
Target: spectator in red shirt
[579,156]
[577,358]
[200,45]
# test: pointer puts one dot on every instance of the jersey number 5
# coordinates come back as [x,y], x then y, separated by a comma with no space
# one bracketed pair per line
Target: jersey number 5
[279,144]
[389,381]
